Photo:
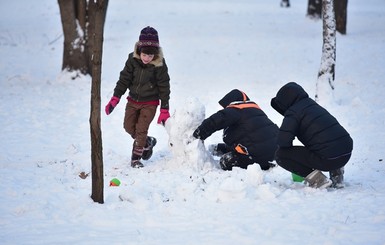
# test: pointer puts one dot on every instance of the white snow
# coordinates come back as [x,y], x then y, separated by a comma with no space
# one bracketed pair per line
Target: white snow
[181,196]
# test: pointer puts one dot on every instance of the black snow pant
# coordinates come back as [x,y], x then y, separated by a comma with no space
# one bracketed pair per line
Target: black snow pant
[240,160]
[301,161]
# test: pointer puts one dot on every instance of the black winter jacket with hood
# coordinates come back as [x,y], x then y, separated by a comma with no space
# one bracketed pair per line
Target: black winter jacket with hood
[145,82]
[313,125]
[244,123]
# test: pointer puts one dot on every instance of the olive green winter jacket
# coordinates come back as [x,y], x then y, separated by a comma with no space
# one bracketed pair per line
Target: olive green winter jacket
[145,82]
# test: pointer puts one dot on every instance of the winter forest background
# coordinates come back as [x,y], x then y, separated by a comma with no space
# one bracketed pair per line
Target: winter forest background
[180,196]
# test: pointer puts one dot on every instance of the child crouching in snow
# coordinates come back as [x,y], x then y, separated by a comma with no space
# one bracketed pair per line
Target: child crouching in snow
[249,135]
[327,145]
[145,75]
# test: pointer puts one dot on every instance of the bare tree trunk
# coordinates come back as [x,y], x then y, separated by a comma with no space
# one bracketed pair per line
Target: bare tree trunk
[285,3]
[326,74]
[340,7]
[74,43]
[76,18]
[314,9]
[91,29]
[81,13]
[98,9]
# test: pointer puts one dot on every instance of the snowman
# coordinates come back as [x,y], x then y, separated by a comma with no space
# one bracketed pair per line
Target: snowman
[186,150]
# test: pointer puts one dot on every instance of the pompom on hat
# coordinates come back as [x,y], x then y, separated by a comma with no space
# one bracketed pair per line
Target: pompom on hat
[148,37]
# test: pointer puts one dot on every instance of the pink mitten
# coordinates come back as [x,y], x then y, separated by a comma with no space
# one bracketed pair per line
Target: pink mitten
[112,104]
[163,116]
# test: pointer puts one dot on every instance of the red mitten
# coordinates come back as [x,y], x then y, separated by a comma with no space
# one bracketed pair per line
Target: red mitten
[112,104]
[163,116]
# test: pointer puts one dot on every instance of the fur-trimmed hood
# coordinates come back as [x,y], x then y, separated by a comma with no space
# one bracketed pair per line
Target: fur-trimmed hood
[156,62]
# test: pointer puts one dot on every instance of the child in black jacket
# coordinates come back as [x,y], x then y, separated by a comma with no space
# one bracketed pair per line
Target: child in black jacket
[249,135]
[327,146]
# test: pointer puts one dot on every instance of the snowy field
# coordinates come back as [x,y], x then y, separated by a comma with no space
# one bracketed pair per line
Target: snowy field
[181,196]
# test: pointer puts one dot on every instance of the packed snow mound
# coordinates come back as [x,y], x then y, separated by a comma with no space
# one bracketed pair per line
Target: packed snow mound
[185,149]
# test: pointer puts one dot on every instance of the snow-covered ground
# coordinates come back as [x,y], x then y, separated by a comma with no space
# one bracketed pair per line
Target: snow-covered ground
[180,196]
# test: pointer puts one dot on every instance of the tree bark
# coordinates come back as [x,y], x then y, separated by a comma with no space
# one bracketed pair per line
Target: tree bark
[77,21]
[326,74]
[81,13]
[74,43]
[314,9]
[285,3]
[98,9]
[340,7]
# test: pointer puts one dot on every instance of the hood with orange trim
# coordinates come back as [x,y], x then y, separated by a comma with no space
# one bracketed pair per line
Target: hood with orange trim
[234,95]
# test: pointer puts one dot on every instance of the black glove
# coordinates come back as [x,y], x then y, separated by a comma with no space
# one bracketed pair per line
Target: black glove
[201,133]
[196,133]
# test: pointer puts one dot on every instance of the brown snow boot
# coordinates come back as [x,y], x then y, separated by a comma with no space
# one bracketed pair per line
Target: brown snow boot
[317,179]
[136,164]
[147,151]
[137,152]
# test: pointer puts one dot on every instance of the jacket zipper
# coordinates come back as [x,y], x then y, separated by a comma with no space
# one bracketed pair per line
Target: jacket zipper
[137,88]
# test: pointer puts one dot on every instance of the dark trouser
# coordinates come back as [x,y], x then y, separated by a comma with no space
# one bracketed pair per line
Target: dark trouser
[241,160]
[246,160]
[137,121]
[301,161]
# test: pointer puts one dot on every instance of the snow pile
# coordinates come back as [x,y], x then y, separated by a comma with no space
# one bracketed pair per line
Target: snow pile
[181,196]
[187,151]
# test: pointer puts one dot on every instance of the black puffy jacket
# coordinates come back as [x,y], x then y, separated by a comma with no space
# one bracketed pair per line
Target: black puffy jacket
[244,123]
[313,125]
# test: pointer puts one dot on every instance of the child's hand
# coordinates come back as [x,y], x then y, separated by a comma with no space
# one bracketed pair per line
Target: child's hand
[196,134]
[201,133]
[163,116]
[112,104]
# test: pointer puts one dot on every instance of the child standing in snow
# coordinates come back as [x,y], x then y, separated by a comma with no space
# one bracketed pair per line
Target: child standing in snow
[327,145]
[145,75]
[249,135]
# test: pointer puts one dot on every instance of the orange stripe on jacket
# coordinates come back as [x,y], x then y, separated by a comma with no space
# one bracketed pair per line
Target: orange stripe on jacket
[244,96]
[244,105]
[242,149]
